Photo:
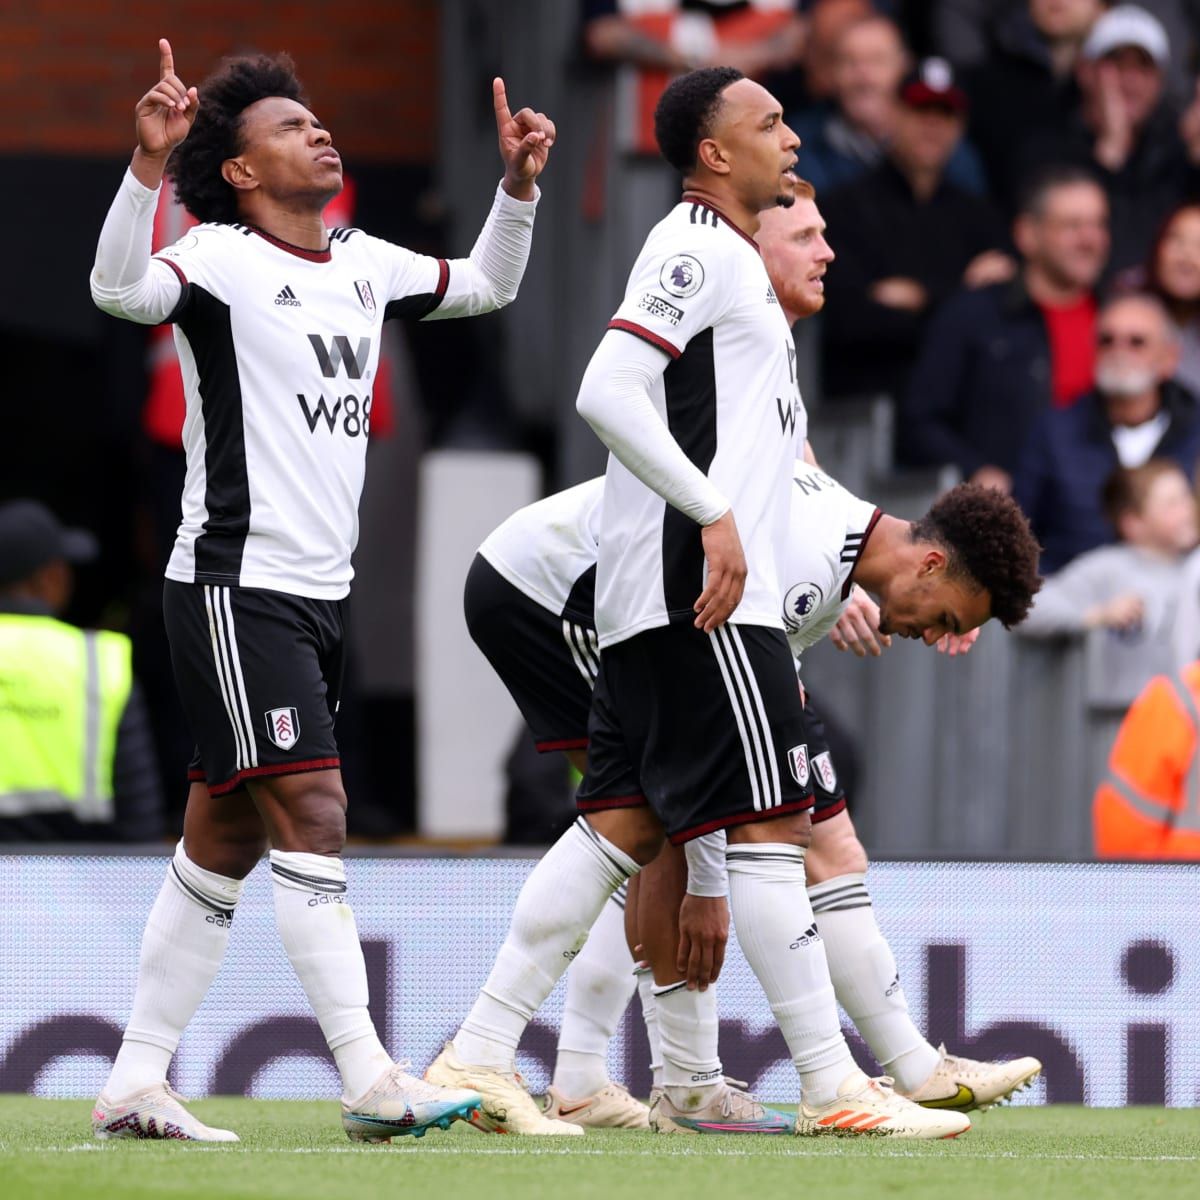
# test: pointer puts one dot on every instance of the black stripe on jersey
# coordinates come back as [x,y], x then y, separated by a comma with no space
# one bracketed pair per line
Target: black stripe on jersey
[342,235]
[205,323]
[414,308]
[862,544]
[690,386]
[182,303]
[695,210]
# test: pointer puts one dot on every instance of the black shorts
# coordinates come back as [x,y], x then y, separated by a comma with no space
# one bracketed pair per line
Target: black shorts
[828,796]
[547,662]
[259,673]
[707,729]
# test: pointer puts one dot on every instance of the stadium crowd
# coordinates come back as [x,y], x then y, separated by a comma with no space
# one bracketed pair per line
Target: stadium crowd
[1013,195]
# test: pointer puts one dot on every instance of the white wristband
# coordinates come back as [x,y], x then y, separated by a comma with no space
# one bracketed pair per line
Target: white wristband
[706,865]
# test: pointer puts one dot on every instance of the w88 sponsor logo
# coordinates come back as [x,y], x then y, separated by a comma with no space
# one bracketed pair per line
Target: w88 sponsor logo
[349,414]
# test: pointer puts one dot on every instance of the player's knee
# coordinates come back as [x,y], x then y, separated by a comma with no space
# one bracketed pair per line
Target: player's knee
[308,814]
[233,856]
[636,831]
[794,829]
[835,850]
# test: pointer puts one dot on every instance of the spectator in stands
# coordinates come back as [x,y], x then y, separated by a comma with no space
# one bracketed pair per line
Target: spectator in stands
[996,357]
[1135,412]
[76,757]
[1126,129]
[1173,275]
[1026,82]
[843,139]
[1149,805]
[827,20]
[907,238]
[1132,587]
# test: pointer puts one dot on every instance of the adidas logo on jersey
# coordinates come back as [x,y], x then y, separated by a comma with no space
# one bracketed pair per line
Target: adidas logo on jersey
[288,297]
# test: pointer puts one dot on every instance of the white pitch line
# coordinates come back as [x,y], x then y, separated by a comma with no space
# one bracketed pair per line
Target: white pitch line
[683,1152]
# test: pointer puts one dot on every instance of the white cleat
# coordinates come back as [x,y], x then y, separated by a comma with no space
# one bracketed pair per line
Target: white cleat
[728,1108]
[399,1105]
[612,1107]
[155,1112]
[963,1084]
[506,1108]
[870,1108]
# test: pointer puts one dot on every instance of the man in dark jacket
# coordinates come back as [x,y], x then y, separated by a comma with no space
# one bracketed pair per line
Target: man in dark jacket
[996,357]
[907,238]
[1135,413]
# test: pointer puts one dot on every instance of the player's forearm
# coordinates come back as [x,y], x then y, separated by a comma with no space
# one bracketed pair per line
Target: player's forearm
[497,261]
[614,399]
[705,856]
[123,281]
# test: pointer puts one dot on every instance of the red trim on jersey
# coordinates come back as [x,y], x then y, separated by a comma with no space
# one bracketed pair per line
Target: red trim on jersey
[443,280]
[870,529]
[823,814]
[645,334]
[177,269]
[635,801]
[688,198]
[561,744]
[299,251]
[297,768]
[677,839]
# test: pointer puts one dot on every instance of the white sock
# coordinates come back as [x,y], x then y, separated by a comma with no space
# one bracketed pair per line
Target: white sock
[863,970]
[182,948]
[779,938]
[558,905]
[687,1024]
[317,925]
[645,986]
[600,984]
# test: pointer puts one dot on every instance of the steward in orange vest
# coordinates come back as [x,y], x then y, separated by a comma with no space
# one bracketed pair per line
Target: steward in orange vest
[1149,804]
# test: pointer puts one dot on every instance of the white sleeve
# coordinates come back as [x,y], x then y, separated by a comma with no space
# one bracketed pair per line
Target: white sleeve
[614,399]
[125,281]
[705,856]
[489,278]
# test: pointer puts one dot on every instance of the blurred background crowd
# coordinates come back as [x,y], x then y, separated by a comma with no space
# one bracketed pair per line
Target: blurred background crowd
[1012,191]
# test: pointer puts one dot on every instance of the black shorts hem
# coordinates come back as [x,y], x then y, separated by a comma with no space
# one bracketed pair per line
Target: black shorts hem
[745,818]
[271,769]
[575,743]
[604,803]
[831,810]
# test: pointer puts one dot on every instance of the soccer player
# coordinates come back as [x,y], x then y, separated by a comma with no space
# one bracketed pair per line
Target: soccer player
[696,720]
[277,322]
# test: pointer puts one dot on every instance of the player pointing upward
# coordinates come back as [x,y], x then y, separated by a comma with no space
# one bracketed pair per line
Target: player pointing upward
[277,322]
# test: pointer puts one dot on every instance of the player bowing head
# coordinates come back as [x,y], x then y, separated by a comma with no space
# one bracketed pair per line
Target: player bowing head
[726,136]
[796,254]
[970,558]
[254,134]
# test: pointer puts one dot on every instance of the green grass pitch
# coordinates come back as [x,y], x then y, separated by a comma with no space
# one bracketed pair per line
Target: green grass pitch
[291,1149]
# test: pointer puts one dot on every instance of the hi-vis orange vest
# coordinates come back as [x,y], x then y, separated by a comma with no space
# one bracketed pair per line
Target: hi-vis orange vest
[1149,805]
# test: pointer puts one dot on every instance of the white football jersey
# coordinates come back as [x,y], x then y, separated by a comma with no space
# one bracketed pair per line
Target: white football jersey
[700,293]
[278,347]
[547,550]
[830,527]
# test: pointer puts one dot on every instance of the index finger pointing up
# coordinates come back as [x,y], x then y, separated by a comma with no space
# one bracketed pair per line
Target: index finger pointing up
[166,60]
[500,100]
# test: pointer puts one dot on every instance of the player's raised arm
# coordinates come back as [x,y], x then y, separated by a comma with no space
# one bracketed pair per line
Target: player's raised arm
[124,281]
[163,117]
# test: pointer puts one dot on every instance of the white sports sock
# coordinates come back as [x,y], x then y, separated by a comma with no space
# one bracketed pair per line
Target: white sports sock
[779,938]
[317,926]
[182,947]
[863,970]
[688,1026]
[557,907]
[600,984]
[645,986]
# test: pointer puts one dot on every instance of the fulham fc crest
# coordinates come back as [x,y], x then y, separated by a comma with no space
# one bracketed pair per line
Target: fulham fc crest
[798,762]
[283,727]
[366,297]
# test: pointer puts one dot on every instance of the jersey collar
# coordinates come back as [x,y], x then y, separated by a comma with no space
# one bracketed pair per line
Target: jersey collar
[320,256]
[690,198]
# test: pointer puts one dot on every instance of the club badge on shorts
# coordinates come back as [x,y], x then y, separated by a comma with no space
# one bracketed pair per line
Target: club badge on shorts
[283,727]
[798,763]
[823,765]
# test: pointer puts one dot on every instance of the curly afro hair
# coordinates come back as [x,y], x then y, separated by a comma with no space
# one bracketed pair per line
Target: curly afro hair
[685,112]
[989,542]
[195,164]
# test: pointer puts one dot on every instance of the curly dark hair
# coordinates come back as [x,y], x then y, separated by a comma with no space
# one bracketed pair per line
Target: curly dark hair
[195,164]
[989,542]
[685,112]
